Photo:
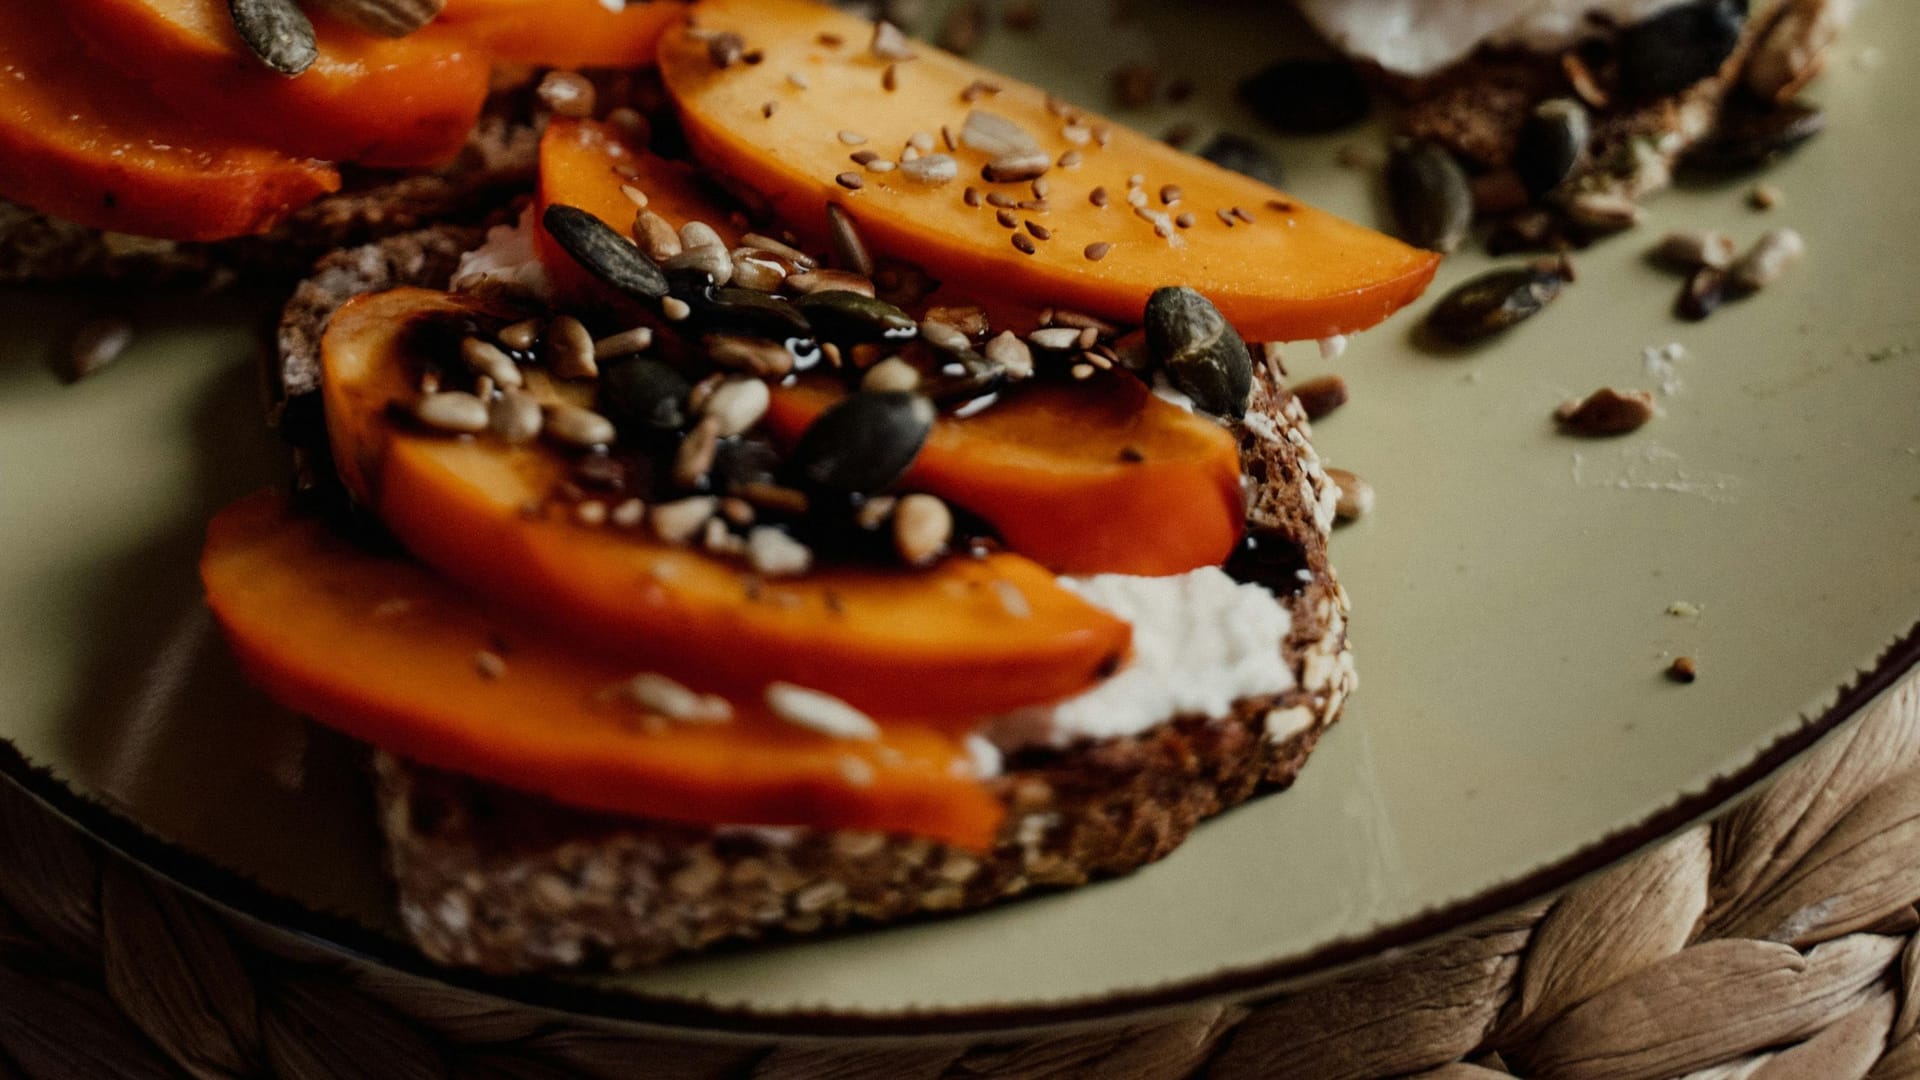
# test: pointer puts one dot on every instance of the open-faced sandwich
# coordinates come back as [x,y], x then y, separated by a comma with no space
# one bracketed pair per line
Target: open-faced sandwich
[846,493]
[187,141]
[1556,117]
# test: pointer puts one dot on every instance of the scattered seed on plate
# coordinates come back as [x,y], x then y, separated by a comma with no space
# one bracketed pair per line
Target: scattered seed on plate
[97,343]
[1322,395]
[1683,670]
[1769,258]
[1691,249]
[1355,498]
[1606,412]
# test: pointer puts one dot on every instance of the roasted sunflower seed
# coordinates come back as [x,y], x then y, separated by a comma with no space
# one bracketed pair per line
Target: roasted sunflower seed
[1606,412]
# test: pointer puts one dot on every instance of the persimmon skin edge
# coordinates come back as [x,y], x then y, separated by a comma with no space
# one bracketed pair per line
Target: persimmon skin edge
[303,612]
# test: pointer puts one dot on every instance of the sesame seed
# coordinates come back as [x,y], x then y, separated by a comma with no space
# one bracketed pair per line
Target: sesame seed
[946,136]
[852,138]
[1226,216]
[1103,135]
[1041,187]
[767,109]
[634,195]
[1007,219]
[971,196]
[489,664]
[890,78]
[850,181]
[820,712]
[1137,199]
[861,157]
[1039,231]
[1077,134]
[1137,180]
[1097,251]
[1185,220]
[1001,200]
[1098,197]
[830,40]
[1170,194]
[675,309]
[1070,159]
[1082,371]
[1242,215]
[1025,245]
[798,80]
[590,514]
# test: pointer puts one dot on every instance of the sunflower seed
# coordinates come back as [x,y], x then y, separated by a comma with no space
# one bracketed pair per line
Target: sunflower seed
[1321,396]
[755,269]
[890,375]
[709,259]
[1355,495]
[693,461]
[96,344]
[656,236]
[569,350]
[453,412]
[774,554]
[604,252]
[582,429]
[995,135]
[1010,356]
[1702,295]
[922,527]
[1690,249]
[736,405]
[515,417]
[931,169]
[820,713]
[665,697]
[755,356]
[1770,257]
[521,336]
[815,281]
[889,42]
[626,343]
[849,250]
[1015,167]
[680,521]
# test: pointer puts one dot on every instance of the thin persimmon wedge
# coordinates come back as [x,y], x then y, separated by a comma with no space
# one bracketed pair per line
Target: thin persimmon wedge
[1094,477]
[783,126]
[94,148]
[589,164]
[369,99]
[565,33]
[969,638]
[386,652]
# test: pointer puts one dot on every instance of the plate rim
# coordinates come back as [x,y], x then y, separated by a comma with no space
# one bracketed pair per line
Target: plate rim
[233,891]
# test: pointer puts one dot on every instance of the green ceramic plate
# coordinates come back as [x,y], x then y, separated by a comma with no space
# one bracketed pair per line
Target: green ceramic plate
[1512,588]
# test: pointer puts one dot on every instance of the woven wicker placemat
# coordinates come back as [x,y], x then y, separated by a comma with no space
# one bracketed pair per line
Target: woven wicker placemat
[1780,941]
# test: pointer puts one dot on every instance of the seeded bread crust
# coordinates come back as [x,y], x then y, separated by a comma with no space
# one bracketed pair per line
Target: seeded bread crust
[508,882]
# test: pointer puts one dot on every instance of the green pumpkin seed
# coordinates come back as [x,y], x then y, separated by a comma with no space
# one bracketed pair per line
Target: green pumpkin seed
[1431,196]
[848,317]
[1495,301]
[605,253]
[277,32]
[1552,144]
[645,395]
[1204,357]
[863,444]
[1677,48]
[735,310]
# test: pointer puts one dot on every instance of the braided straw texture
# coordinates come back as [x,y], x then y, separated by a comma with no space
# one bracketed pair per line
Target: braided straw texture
[1780,942]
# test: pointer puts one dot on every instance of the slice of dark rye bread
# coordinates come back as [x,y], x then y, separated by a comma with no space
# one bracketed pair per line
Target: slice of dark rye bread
[1476,108]
[504,881]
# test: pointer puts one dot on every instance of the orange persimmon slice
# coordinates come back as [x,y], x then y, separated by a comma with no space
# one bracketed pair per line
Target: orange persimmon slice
[1278,269]
[967,639]
[1095,477]
[369,99]
[86,145]
[384,651]
[565,33]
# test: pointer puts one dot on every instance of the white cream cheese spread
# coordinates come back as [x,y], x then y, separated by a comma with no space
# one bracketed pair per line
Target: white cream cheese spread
[506,261]
[1420,37]
[1201,642]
